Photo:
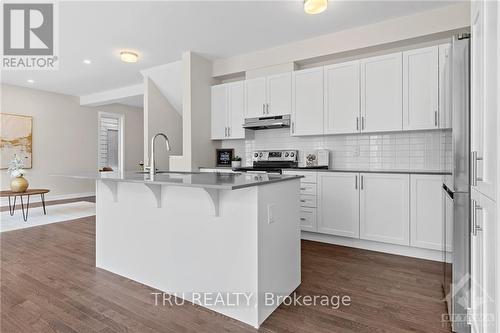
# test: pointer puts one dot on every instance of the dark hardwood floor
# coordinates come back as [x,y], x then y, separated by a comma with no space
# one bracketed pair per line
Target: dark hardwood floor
[49,284]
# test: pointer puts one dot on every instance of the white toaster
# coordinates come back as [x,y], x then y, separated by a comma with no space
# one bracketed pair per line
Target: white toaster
[314,158]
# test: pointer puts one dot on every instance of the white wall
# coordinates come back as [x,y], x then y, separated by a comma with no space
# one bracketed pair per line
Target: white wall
[65,138]
[160,117]
[198,149]
[428,23]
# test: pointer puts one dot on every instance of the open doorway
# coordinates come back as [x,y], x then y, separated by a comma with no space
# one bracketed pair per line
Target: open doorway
[110,142]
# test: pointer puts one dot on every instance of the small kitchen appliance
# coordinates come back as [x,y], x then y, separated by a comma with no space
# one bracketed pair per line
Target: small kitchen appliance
[318,158]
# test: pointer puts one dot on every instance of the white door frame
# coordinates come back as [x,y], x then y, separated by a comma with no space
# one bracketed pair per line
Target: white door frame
[121,135]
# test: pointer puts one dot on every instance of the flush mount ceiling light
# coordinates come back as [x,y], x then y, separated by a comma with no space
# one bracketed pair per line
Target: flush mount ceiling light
[30,81]
[87,62]
[315,6]
[128,56]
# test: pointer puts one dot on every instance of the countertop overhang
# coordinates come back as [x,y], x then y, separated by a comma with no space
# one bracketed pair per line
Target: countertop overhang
[218,181]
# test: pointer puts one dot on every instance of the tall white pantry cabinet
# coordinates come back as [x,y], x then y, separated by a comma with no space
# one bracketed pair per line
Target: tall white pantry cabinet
[485,229]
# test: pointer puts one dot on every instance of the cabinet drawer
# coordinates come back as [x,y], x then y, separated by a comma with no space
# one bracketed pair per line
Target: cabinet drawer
[308,219]
[308,188]
[308,200]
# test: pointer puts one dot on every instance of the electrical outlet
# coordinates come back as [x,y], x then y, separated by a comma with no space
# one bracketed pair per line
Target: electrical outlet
[270,213]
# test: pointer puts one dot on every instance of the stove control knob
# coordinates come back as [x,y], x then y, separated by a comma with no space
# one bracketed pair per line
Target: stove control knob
[292,154]
[286,154]
[256,155]
[260,155]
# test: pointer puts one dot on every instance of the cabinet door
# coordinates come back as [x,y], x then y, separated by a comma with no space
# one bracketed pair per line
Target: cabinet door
[236,112]
[384,211]
[426,207]
[338,204]
[484,250]
[307,105]
[381,93]
[484,96]
[255,96]
[279,94]
[342,102]
[420,88]
[219,111]
[444,86]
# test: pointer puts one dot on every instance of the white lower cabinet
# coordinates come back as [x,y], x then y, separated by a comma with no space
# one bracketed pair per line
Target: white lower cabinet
[308,219]
[338,204]
[384,208]
[308,199]
[426,206]
[484,250]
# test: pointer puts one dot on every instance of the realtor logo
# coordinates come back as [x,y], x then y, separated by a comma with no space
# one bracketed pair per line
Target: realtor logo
[29,32]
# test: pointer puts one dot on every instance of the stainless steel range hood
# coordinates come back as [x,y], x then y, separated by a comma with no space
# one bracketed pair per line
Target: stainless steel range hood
[267,122]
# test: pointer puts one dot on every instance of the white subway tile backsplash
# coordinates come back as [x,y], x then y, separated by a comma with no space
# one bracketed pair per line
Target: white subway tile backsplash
[423,150]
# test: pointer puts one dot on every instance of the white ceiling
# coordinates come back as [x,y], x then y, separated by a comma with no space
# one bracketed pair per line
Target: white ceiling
[161,31]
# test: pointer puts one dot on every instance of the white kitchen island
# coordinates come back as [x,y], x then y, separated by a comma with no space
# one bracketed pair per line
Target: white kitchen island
[228,242]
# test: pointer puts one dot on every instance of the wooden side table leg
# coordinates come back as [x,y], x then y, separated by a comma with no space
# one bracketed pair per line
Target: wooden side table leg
[43,203]
[13,207]
[25,214]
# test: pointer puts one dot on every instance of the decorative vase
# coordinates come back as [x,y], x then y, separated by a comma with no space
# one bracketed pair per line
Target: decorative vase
[19,184]
[236,164]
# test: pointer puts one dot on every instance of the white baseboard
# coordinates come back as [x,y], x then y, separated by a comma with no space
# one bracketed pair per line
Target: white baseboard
[48,197]
[375,246]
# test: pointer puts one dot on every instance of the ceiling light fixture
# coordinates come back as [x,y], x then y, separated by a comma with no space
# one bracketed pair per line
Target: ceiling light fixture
[87,61]
[30,81]
[315,6]
[127,56]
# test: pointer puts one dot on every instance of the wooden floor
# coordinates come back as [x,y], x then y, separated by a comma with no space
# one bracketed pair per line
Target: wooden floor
[49,284]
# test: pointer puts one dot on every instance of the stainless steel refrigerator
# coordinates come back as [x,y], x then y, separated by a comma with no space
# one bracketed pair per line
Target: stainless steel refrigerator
[456,189]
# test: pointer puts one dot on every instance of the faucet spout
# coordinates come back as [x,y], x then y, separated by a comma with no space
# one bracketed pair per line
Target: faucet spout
[152,167]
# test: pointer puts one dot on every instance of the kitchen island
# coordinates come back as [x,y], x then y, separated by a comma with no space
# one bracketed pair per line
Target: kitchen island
[228,242]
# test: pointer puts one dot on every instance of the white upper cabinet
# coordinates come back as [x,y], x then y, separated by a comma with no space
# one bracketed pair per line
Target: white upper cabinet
[426,207]
[381,93]
[484,96]
[269,96]
[444,86]
[338,204]
[236,112]
[256,99]
[307,102]
[384,208]
[420,88]
[279,94]
[228,105]
[342,99]
[219,112]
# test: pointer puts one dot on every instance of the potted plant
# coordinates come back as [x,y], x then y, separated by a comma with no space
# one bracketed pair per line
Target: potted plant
[236,162]
[18,182]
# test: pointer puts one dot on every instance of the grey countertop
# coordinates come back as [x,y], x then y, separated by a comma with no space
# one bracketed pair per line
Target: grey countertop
[399,171]
[219,181]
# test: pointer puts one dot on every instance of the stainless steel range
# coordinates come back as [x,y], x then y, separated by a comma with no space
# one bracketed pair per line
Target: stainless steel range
[272,161]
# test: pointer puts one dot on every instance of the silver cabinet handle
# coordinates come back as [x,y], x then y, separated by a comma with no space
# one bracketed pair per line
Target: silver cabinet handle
[293,127]
[225,132]
[303,188]
[302,218]
[356,182]
[302,201]
[362,123]
[267,108]
[436,118]
[357,123]
[264,108]
[229,131]
[474,209]
[473,160]
[362,182]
